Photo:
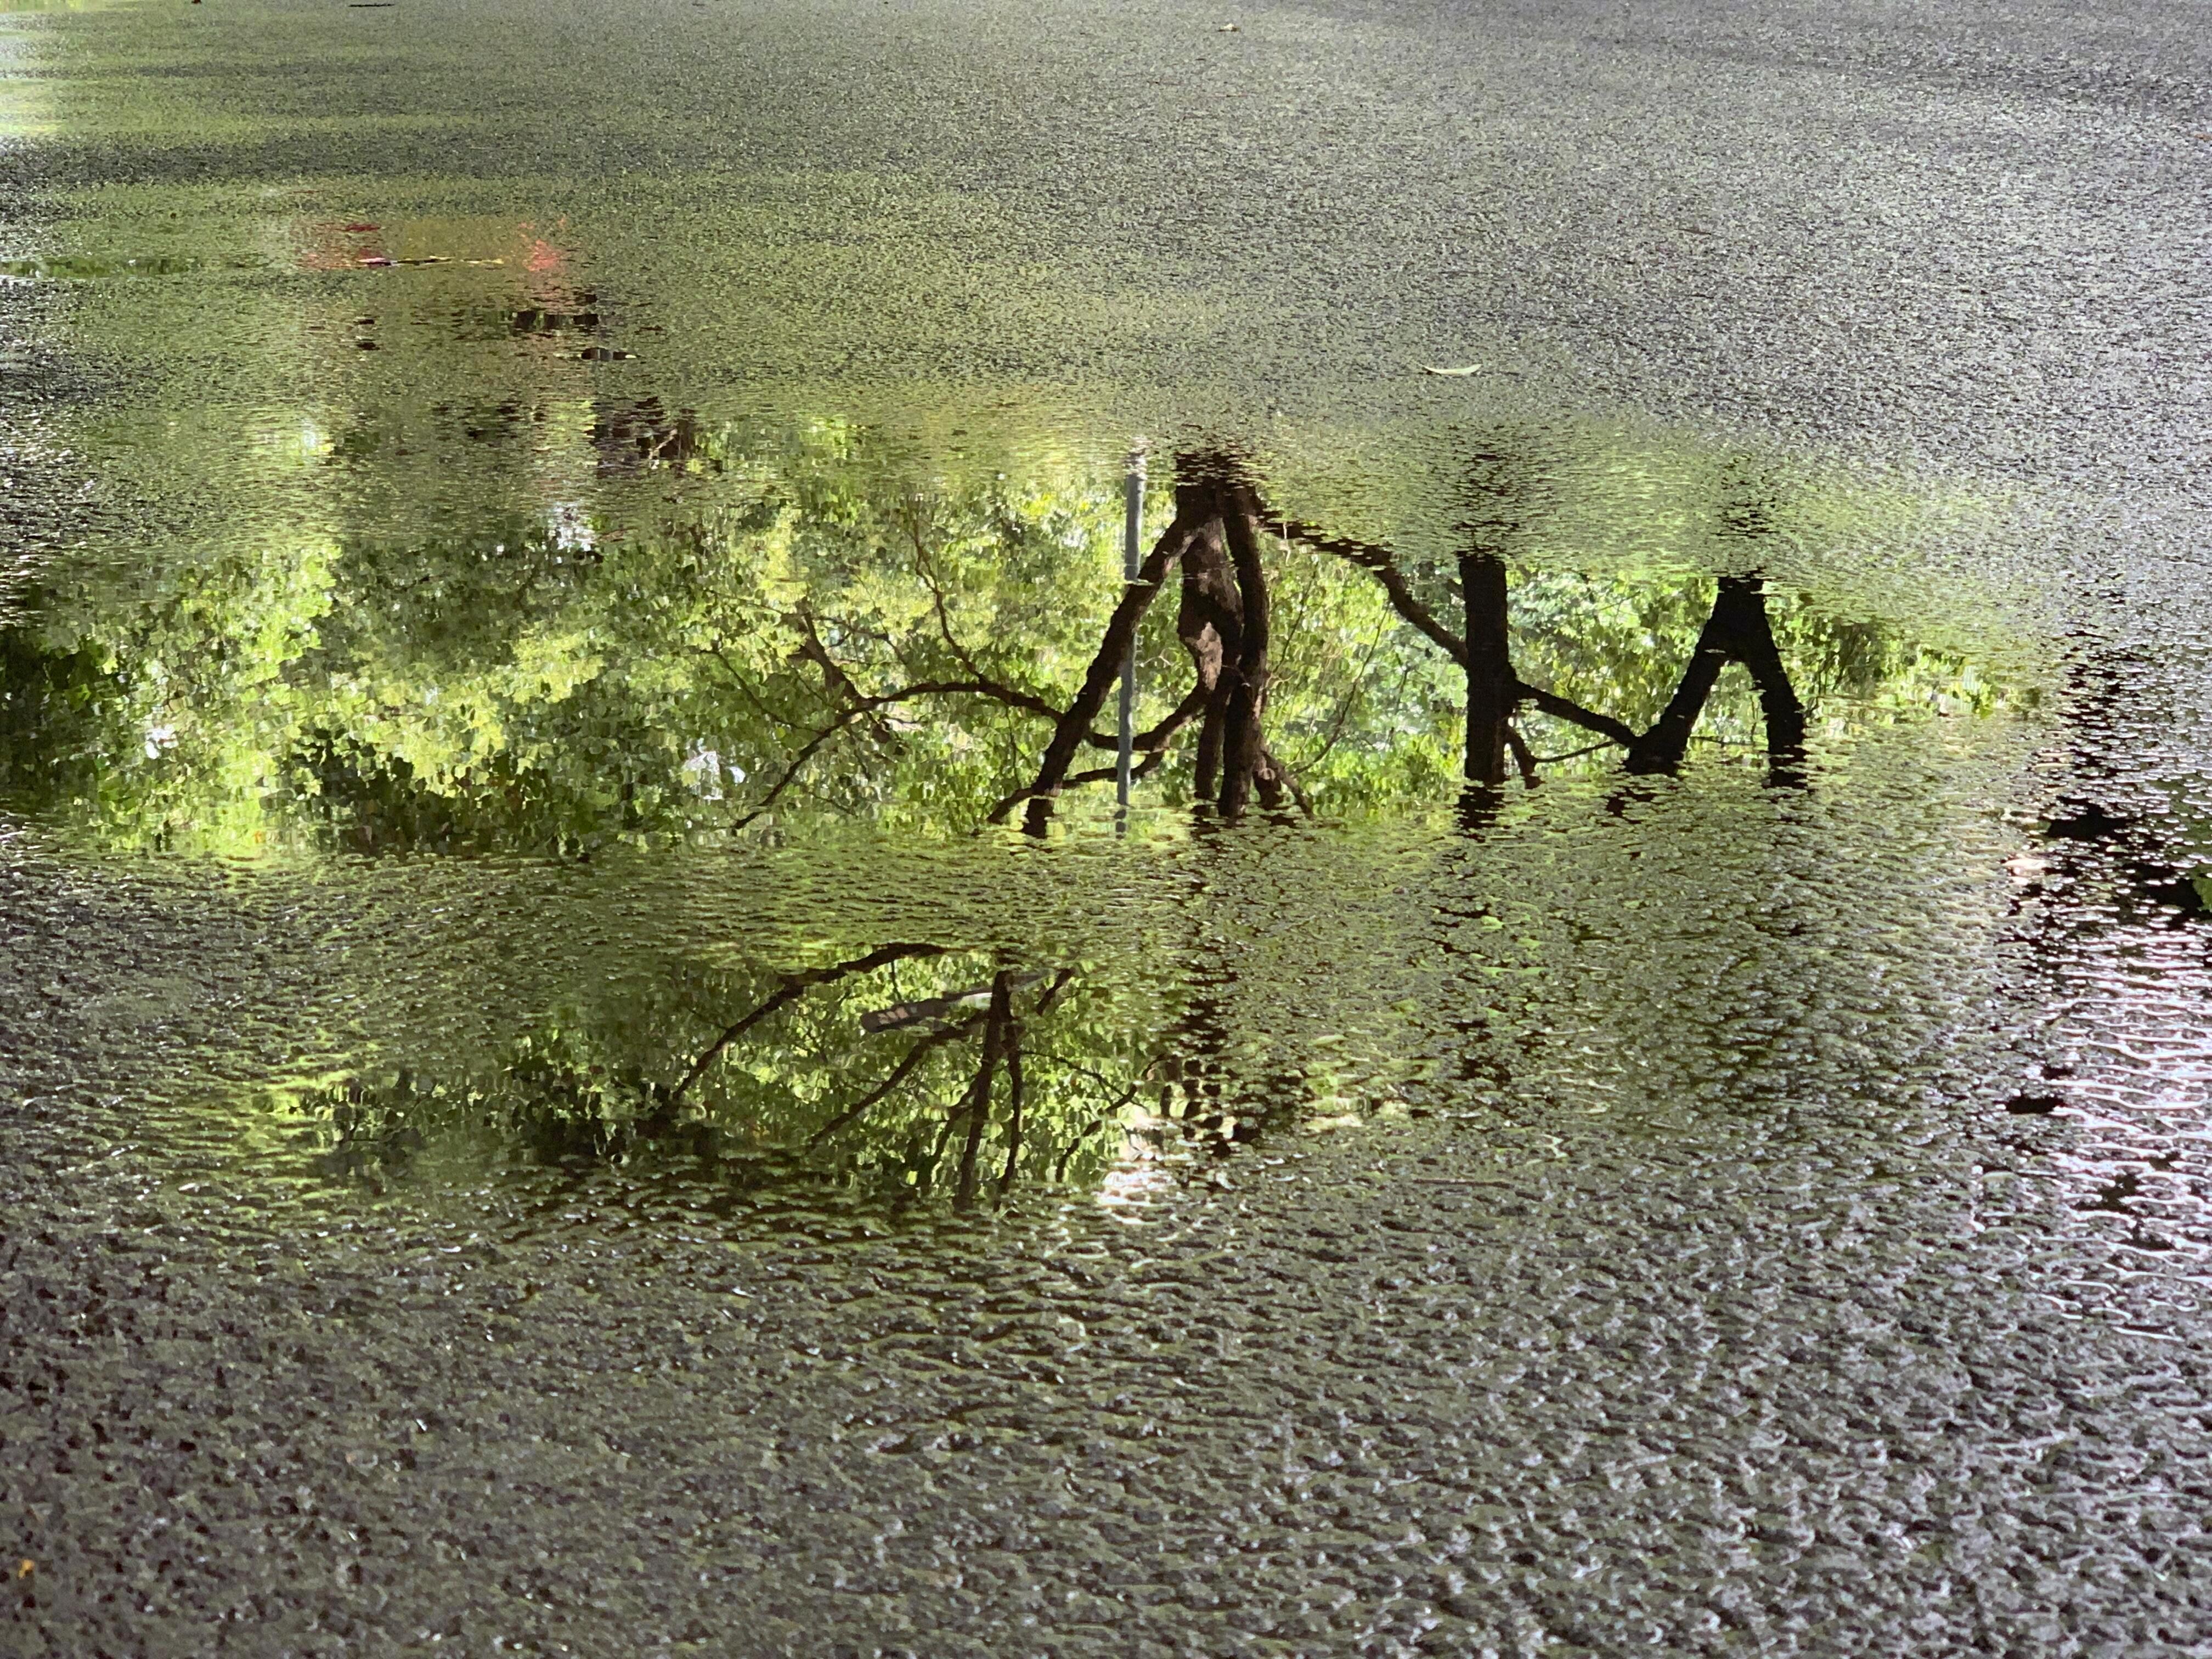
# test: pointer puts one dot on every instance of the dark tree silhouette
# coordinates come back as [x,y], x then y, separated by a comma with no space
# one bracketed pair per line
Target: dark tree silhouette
[1224,624]
[1737,630]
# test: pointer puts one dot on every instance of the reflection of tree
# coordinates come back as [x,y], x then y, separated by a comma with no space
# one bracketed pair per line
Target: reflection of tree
[1224,623]
[831,637]
[968,1088]
[1000,1053]
[1736,630]
[794,986]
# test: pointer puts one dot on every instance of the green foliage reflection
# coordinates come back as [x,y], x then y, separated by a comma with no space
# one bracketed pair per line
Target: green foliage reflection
[828,636]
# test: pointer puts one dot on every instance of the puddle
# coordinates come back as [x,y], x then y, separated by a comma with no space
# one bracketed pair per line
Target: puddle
[614,1029]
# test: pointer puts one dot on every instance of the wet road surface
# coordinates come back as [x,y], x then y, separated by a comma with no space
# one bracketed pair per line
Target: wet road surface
[1634,1079]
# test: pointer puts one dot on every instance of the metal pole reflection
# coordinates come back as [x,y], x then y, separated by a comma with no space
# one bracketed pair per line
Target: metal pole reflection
[1132,558]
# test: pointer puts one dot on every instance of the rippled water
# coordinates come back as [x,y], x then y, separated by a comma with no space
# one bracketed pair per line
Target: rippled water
[593,1065]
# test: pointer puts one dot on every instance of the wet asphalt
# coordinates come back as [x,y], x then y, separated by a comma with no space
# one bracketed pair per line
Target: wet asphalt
[1838,1288]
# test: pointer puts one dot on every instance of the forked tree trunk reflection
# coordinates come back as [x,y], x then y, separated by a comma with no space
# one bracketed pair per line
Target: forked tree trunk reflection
[1210,623]
[1001,1046]
[1737,631]
[1245,763]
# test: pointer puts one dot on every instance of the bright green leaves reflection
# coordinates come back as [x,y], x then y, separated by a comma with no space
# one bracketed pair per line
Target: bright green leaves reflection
[822,636]
[172,708]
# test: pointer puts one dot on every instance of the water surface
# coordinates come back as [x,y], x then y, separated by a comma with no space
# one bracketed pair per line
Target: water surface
[592,1063]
